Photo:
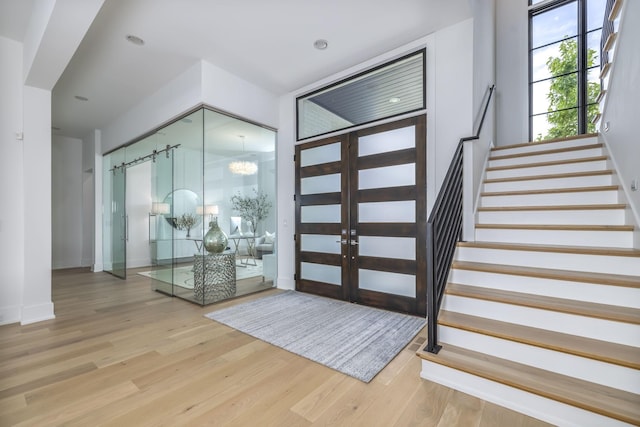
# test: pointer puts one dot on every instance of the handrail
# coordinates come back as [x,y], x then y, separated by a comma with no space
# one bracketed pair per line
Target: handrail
[444,229]
[607,30]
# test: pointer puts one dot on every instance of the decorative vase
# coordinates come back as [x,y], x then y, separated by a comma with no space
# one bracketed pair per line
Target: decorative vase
[215,241]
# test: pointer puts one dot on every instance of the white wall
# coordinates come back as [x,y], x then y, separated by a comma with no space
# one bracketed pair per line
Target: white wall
[66,192]
[87,218]
[36,294]
[449,118]
[621,106]
[11,182]
[512,71]
[476,152]
[177,96]
[25,229]
[28,72]
[451,112]
[92,209]
[88,202]
[229,93]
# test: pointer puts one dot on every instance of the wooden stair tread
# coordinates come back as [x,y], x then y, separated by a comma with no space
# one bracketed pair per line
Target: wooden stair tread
[551,191]
[608,44]
[607,401]
[615,10]
[550,163]
[553,207]
[542,152]
[583,250]
[554,274]
[581,308]
[603,351]
[549,176]
[558,227]
[547,141]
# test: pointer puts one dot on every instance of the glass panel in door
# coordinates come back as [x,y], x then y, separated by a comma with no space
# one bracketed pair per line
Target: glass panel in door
[321,214]
[160,228]
[361,216]
[388,216]
[119,222]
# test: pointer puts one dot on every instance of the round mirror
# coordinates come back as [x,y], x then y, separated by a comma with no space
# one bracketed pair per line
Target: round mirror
[184,205]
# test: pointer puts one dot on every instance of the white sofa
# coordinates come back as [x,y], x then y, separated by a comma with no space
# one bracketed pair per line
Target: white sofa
[265,244]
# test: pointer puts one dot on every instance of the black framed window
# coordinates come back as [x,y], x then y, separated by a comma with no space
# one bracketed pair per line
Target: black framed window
[564,66]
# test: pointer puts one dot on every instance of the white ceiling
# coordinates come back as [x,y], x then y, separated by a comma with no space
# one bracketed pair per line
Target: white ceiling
[269,43]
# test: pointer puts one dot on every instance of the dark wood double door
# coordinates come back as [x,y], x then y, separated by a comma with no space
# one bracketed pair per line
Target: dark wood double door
[361,216]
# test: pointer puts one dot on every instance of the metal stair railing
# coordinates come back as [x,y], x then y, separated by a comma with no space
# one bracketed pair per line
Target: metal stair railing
[444,230]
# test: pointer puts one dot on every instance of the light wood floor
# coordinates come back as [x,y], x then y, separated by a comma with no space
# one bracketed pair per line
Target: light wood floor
[120,354]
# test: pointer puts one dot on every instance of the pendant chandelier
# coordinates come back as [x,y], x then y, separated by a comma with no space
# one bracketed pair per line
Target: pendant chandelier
[241,167]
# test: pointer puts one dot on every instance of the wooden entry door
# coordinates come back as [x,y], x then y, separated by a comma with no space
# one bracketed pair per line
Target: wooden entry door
[361,216]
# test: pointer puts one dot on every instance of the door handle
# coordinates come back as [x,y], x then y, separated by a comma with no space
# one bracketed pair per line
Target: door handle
[354,242]
[343,241]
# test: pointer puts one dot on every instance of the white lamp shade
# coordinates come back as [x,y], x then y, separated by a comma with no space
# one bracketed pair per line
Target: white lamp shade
[207,210]
[159,208]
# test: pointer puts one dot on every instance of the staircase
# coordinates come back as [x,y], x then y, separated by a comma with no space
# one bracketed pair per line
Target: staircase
[542,312]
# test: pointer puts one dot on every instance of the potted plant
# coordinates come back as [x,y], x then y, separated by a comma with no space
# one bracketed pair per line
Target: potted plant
[252,209]
[186,222]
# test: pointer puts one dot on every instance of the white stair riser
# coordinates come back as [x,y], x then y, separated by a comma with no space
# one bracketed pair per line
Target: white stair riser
[561,261]
[595,165]
[579,291]
[552,199]
[590,327]
[535,147]
[586,369]
[548,410]
[575,217]
[549,157]
[608,239]
[541,184]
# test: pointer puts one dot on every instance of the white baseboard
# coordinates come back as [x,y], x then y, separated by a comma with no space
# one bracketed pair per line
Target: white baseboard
[37,313]
[284,283]
[9,314]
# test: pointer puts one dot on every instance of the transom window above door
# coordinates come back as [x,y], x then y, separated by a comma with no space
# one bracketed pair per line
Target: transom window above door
[389,90]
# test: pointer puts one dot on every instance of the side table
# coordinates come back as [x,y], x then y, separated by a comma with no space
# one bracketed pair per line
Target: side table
[214,277]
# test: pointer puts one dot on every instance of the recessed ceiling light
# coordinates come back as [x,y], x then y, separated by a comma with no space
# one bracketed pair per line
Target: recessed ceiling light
[134,39]
[320,44]
[81,98]
[394,100]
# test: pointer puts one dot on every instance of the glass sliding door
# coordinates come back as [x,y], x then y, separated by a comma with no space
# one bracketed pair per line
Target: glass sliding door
[114,225]
[160,229]
[119,226]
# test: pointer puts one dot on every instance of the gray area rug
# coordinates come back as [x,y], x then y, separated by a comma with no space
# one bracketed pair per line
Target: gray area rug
[356,340]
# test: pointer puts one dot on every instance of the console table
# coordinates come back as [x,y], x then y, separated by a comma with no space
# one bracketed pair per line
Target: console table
[214,277]
[251,243]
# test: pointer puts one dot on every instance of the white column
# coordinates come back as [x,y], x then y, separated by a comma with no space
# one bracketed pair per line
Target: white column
[11,194]
[97,188]
[36,296]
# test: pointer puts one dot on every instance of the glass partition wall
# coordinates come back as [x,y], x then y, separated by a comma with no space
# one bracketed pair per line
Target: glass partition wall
[210,195]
